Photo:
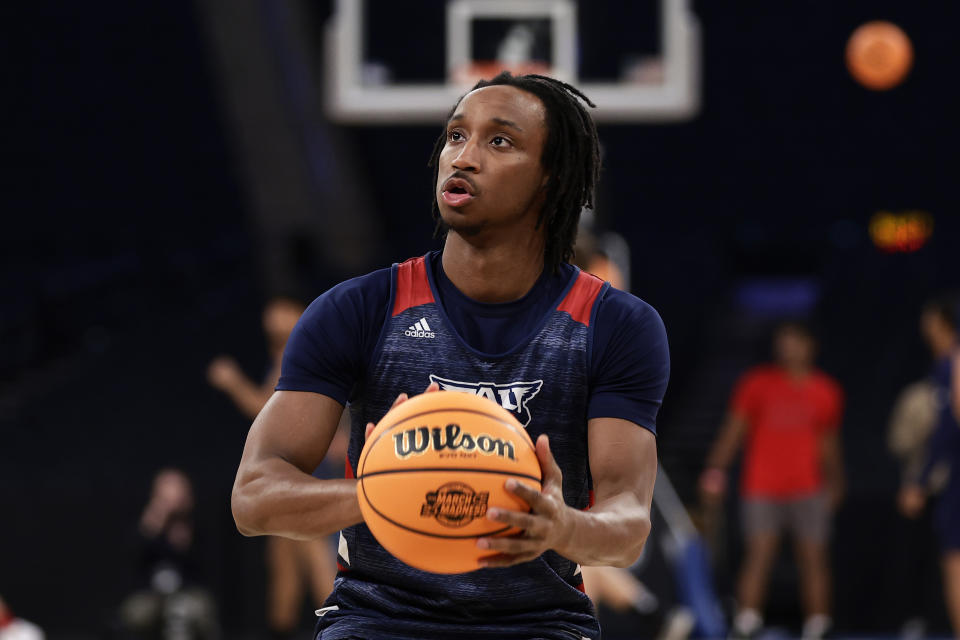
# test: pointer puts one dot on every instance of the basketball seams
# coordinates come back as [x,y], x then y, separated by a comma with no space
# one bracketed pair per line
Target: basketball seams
[505,422]
[462,536]
[373,507]
[497,472]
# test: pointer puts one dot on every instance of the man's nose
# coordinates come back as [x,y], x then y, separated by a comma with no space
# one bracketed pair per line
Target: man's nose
[468,158]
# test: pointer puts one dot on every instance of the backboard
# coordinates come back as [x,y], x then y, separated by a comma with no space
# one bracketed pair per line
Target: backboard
[391,62]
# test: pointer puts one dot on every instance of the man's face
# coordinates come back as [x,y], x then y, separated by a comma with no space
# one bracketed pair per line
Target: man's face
[929,328]
[173,489]
[279,319]
[794,348]
[489,172]
[936,331]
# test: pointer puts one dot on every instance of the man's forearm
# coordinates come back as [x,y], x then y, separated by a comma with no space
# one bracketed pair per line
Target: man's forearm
[832,466]
[833,469]
[248,397]
[276,498]
[835,483]
[724,450]
[612,533]
[727,444]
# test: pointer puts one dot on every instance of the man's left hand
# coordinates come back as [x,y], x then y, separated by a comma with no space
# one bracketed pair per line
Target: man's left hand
[548,524]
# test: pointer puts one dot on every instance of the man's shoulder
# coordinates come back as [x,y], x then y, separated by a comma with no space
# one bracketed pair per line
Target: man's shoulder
[375,283]
[619,307]
[827,383]
[333,340]
[762,374]
[367,289]
[362,300]
[628,329]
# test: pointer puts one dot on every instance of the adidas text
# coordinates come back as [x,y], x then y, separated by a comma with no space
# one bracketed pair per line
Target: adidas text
[420,329]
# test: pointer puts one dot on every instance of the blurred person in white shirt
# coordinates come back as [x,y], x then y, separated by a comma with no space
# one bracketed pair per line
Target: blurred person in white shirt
[14,628]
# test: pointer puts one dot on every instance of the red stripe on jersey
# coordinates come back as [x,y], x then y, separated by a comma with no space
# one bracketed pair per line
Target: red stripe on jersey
[581,588]
[590,500]
[348,469]
[413,288]
[347,473]
[579,300]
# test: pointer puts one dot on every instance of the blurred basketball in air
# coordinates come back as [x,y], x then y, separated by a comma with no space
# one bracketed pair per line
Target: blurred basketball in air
[879,55]
[432,468]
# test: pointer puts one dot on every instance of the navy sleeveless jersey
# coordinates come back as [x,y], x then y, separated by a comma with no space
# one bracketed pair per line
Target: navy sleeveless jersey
[543,380]
[944,446]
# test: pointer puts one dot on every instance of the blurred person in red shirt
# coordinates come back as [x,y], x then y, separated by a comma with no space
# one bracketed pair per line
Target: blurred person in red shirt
[787,414]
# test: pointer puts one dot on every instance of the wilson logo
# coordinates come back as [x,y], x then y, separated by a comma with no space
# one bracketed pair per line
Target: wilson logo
[455,504]
[411,442]
[515,397]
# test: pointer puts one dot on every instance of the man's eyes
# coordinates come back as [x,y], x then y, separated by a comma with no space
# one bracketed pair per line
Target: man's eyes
[496,141]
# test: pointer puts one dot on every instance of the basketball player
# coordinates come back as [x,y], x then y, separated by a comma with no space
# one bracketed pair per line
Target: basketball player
[939,324]
[501,312]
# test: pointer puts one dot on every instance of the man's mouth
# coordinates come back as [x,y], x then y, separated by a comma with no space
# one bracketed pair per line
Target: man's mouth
[456,198]
[457,192]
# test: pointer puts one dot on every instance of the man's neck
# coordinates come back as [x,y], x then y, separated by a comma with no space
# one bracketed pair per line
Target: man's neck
[797,371]
[945,348]
[493,273]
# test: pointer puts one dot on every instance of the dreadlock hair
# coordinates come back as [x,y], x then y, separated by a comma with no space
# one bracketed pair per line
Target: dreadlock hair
[571,157]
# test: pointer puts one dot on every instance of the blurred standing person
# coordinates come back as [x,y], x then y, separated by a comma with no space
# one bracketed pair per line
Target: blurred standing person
[912,421]
[938,323]
[172,604]
[292,565]
[279,317]
[590,256]
[789,415]
[615,587]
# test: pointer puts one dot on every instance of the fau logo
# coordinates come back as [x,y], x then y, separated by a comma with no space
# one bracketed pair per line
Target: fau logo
[514,396]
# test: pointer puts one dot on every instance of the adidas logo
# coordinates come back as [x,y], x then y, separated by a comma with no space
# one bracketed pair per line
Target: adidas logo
[421,329]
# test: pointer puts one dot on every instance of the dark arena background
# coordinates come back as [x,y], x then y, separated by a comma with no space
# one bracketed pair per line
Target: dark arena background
[171,166]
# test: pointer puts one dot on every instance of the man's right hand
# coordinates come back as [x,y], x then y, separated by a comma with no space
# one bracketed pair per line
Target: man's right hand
[713,485]
[911,500]
[224,373]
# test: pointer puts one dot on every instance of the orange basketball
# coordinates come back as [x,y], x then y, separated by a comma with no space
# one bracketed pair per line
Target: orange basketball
[430,470]
[879,55]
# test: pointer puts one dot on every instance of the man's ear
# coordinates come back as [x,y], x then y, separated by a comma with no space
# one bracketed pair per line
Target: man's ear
[544,182]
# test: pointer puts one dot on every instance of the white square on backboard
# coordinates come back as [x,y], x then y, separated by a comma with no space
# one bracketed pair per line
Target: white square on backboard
[563,27]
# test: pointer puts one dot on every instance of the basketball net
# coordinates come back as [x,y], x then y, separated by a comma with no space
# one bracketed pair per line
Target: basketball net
[469,74]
